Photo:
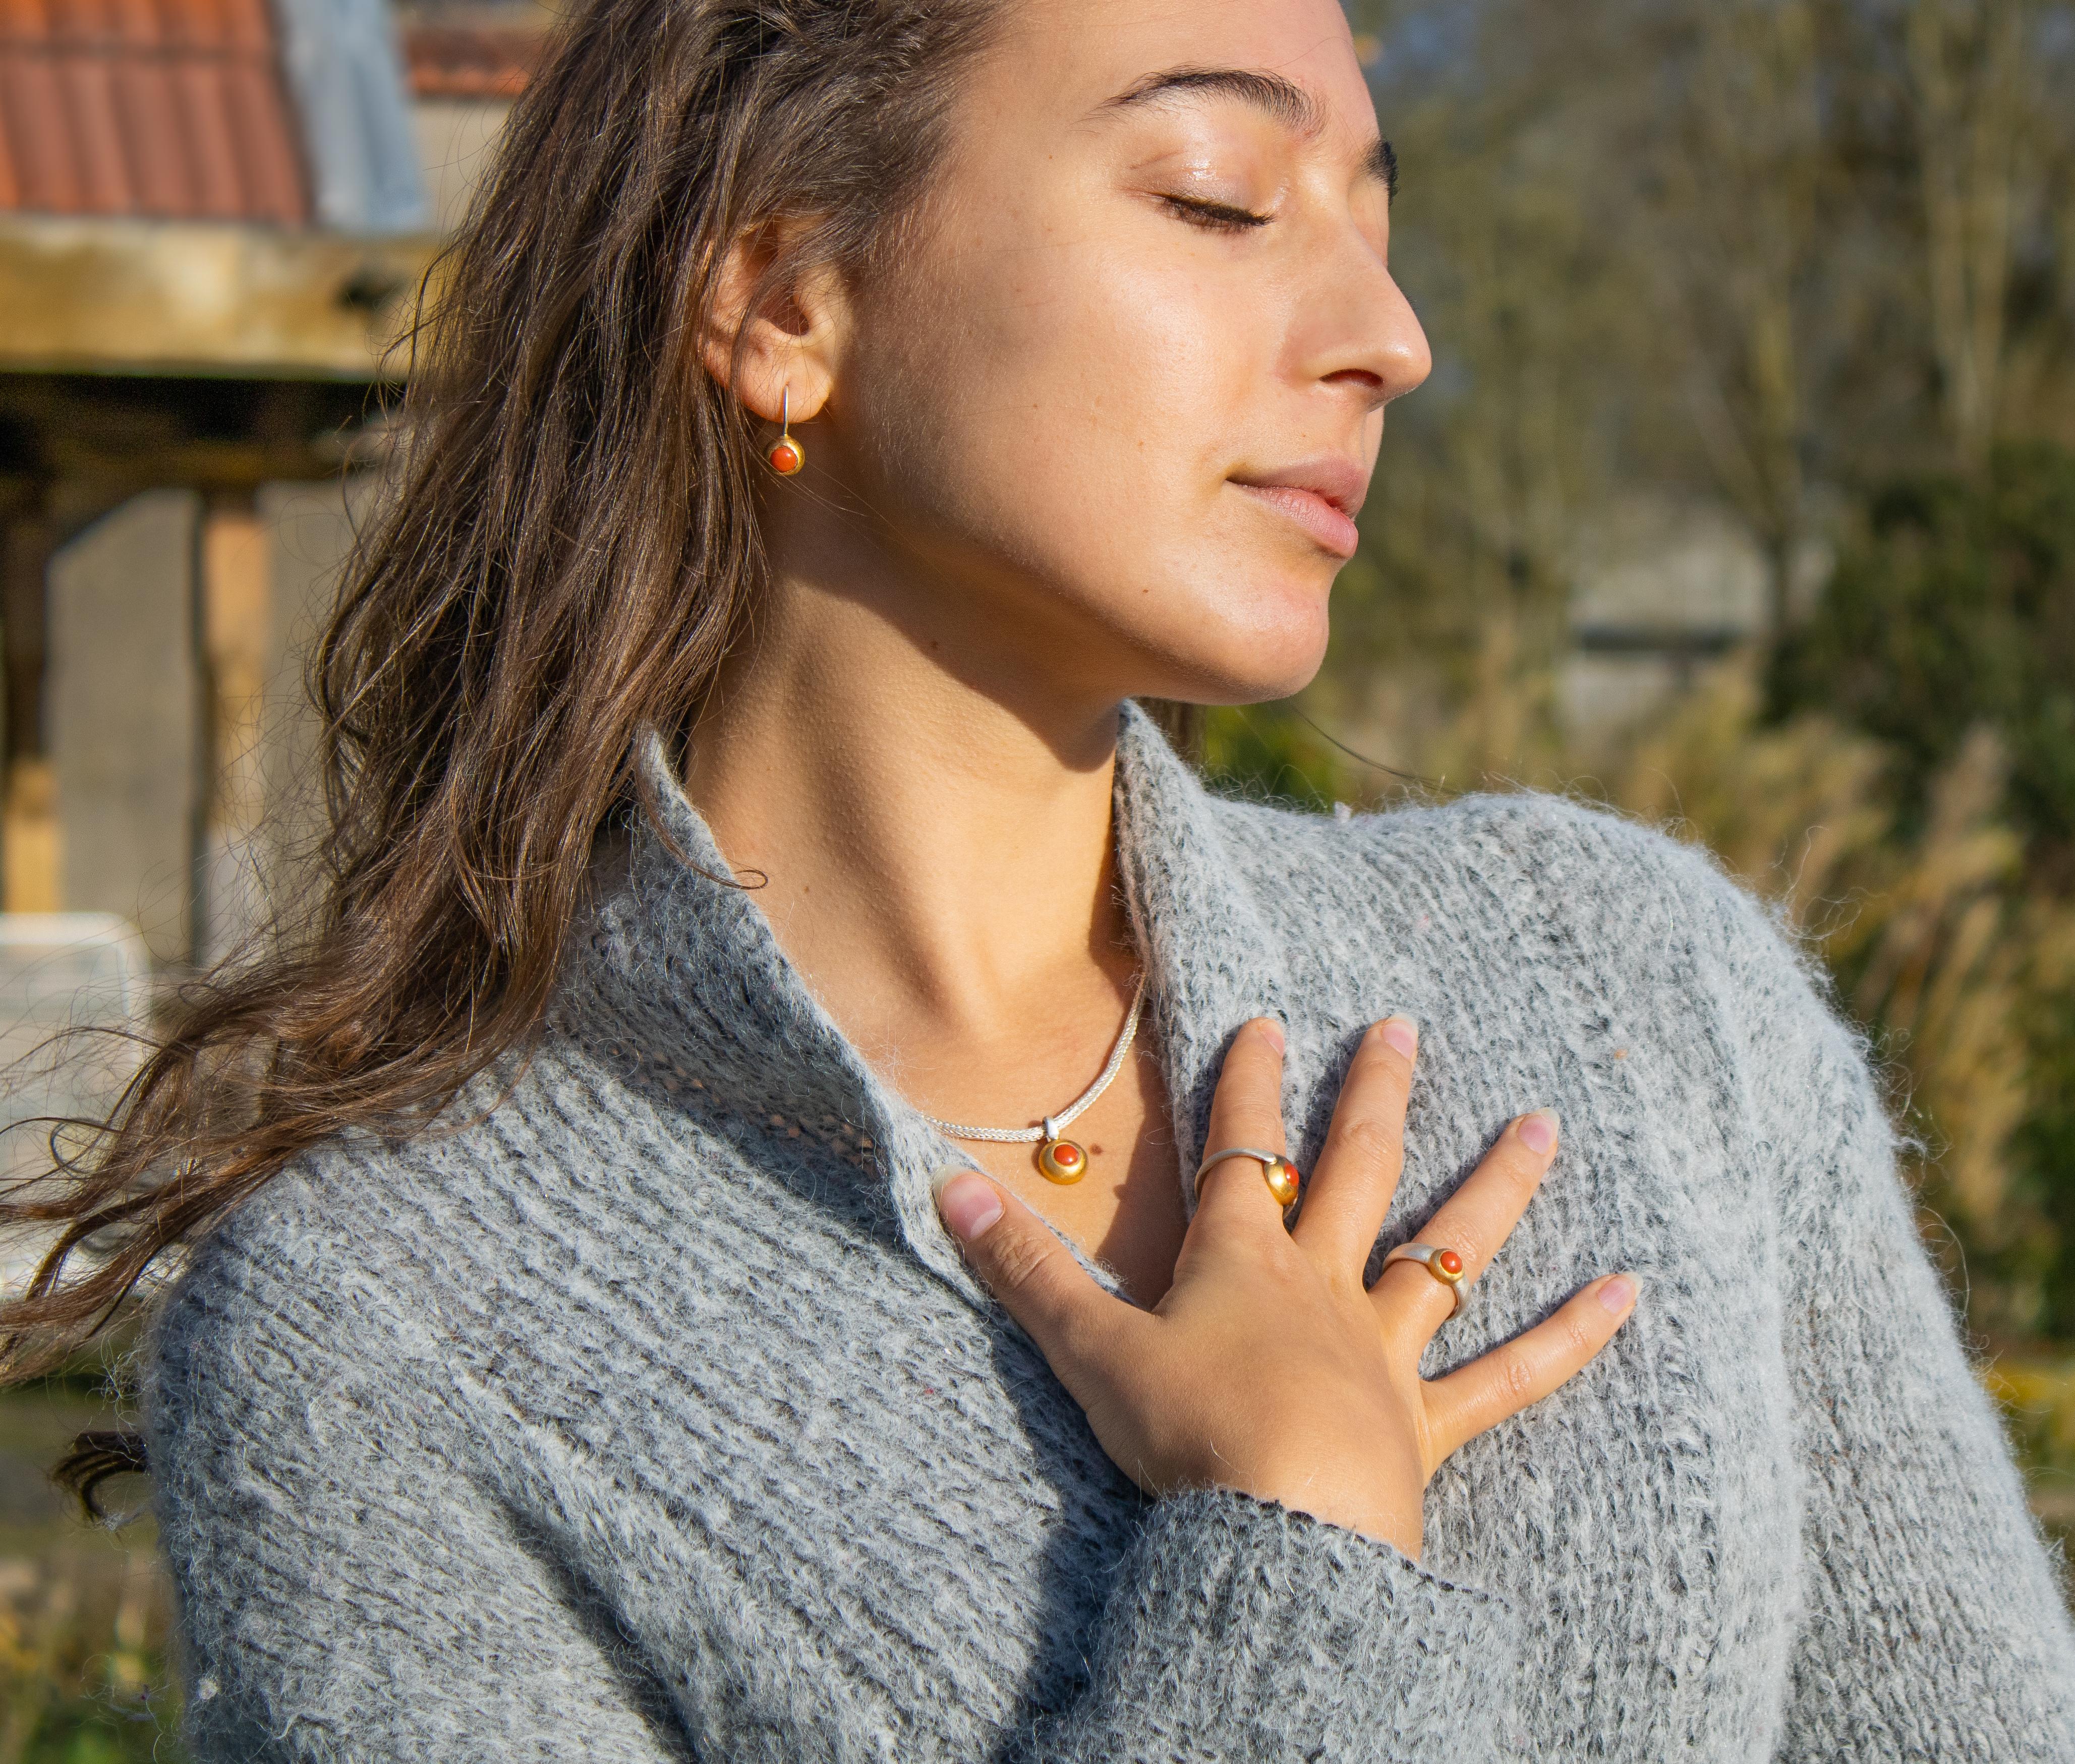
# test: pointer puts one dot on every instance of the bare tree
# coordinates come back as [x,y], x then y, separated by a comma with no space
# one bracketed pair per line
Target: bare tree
[1736,213]
[1974,107]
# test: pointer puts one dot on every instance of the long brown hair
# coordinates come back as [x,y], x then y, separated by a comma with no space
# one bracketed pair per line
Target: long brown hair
[568,545]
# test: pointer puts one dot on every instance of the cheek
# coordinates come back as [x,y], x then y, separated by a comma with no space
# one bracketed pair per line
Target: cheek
[1104,384]
[1068,418]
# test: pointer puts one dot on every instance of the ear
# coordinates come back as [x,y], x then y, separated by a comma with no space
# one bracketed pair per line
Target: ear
[773,333]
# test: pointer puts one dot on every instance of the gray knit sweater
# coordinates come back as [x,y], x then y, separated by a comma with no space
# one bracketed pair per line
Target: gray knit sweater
[647,1412]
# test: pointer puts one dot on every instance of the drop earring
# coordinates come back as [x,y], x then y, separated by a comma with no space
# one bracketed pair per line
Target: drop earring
[786,455]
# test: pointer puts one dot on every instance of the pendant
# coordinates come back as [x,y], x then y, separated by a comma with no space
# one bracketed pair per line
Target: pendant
[1062,1161]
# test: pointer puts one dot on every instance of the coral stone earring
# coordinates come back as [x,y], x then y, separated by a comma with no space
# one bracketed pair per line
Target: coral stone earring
[786,456]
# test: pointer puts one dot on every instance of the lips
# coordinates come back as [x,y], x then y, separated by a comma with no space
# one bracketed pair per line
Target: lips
[1321,496]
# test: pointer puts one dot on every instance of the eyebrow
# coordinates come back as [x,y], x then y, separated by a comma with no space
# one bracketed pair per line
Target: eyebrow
[1284,100]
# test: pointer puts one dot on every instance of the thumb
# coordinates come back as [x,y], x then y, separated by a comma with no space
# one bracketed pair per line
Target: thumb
[1025,1265]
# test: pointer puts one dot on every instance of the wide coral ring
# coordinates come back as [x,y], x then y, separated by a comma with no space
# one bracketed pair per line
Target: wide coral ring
[1445,1265]
[1282,1176]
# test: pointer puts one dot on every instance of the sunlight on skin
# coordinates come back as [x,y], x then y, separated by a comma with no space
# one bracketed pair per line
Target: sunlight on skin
[1099,433]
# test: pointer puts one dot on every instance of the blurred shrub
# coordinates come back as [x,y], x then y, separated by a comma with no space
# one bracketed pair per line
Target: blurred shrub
[1273,754]
[2040,1398]
[1947,635]
[1956,610]
[82,1632]
[85,1613]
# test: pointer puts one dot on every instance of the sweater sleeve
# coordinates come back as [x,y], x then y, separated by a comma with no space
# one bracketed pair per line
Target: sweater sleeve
[1242,1629]
[1931,1623]
[343,1593]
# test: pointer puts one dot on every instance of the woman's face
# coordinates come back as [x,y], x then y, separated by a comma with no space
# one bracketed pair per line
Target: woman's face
[1114,404]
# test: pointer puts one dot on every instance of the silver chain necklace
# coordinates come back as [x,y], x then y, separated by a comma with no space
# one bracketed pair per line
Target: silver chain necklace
[1062,1160]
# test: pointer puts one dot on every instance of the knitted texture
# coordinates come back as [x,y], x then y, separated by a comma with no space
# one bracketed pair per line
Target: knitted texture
[644,1410]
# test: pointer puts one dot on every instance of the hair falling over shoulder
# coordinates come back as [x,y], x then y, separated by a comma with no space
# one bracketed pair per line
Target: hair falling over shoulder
[567,542]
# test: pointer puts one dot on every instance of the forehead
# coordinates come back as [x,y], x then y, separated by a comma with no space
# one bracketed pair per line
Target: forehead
[1073,58]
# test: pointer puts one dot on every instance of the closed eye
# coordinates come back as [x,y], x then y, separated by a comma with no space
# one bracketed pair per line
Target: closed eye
[1219,217]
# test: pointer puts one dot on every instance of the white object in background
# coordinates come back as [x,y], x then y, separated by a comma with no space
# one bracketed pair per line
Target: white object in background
[60,972]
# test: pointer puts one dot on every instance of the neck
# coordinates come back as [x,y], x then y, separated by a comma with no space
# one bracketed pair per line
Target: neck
[937,849]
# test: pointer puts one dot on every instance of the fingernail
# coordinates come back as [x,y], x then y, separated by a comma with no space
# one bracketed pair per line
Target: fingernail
[968,1202]
[1618,1294]
[1401,1034]
[1272,1030]
[1538,1131]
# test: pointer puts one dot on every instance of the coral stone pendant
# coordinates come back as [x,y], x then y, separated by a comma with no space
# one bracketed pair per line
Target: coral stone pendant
[1062,1161]
[785,457]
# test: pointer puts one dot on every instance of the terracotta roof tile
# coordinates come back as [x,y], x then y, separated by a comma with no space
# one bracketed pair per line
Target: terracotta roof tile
[168,109]
[471,60]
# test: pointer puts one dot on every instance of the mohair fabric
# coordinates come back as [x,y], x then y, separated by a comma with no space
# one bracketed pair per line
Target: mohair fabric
[644,1410]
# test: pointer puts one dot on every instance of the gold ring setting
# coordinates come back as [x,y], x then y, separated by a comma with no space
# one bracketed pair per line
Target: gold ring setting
[1283,1177]
[1445,1265]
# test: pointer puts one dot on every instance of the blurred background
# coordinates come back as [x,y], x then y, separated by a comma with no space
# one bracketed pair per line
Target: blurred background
[1742,499]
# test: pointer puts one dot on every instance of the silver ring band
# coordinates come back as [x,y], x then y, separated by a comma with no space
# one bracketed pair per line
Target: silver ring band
[1281,1175]
[1435,1259]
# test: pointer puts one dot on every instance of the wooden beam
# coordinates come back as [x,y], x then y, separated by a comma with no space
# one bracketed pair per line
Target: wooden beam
[102,296]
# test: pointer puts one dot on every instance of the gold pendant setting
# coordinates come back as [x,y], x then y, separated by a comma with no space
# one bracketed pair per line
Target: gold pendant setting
[1060,1159]
[1062,1162]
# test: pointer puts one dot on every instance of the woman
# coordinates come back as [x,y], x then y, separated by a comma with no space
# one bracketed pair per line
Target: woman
[839,411]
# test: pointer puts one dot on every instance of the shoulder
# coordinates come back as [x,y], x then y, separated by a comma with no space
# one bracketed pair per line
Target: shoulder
[280,1292]
[317,1305]
[1511,861]
[392,1266]
[1528,879]
[1528,895]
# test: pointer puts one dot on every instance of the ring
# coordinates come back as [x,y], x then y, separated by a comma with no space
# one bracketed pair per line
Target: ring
[1445,1265]
[1283,1177]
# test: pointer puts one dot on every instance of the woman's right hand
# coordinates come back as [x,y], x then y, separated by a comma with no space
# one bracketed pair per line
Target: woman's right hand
[1267,1367]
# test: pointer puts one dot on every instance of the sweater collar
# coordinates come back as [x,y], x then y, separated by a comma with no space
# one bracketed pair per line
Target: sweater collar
[679,981]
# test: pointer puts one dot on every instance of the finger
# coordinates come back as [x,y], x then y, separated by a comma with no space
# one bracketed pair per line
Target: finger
[1247,1110]
[1357,1172]
[1077,1326]
[1474,1222]
[1506,1380]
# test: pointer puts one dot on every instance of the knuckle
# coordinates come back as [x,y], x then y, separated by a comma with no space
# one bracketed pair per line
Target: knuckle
[1467,1238]
[1518,1375]
[1578,1336]
[1020,1263]
[1372,1141]
[1517,1162]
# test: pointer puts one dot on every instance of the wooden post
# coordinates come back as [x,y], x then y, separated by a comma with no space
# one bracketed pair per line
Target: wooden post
[125,717]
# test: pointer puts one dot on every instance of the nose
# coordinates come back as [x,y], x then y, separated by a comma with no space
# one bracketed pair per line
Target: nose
[1360,336]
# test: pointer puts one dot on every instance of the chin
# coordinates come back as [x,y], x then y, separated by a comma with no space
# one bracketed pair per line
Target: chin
[1273,651]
